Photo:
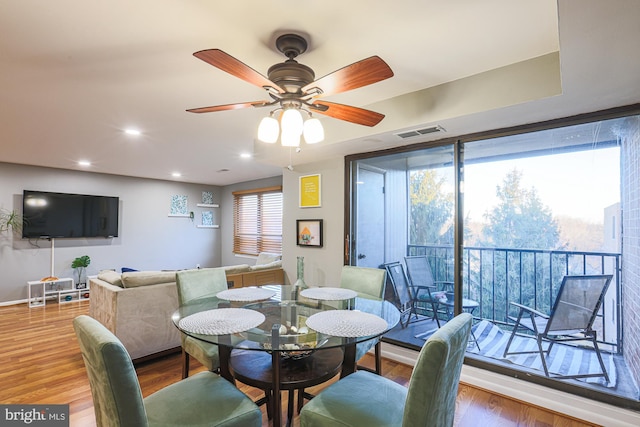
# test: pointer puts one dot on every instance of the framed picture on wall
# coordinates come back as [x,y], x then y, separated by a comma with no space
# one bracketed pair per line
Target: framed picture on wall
[310,194]
[309,232]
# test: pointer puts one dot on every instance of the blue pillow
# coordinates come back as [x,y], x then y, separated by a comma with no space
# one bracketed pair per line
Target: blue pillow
[125,269]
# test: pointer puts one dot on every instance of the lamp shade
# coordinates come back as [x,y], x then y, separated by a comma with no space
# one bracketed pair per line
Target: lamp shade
[289,139]
[313,131]
[292,121]
[268,130]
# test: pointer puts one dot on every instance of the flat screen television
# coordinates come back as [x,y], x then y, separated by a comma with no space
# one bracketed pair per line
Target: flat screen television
[61,215]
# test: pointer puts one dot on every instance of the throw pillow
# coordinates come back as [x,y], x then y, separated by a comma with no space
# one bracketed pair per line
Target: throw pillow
[134,279]
[111,277]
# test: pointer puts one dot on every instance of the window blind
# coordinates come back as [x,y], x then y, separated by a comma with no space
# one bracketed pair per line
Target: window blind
[257,221]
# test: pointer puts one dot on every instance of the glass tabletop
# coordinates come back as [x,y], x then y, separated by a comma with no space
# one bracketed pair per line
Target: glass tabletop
[280,322]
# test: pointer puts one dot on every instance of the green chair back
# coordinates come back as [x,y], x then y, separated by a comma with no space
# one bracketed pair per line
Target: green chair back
[204,399]
[367,282]
[117,398]
[198,283]
[365,399]
[433,387]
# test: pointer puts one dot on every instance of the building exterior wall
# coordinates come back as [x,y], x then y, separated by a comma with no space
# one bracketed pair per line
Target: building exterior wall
[631,244]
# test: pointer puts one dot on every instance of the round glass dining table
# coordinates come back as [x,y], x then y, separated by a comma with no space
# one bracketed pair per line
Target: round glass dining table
[287,322]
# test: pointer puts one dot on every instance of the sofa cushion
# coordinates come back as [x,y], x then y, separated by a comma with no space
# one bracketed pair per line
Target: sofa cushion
[235,269]
[110,277]
[267,258]
[134,279]
[274,264]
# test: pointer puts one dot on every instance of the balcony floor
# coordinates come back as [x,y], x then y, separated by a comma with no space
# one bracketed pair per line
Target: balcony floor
[624,385]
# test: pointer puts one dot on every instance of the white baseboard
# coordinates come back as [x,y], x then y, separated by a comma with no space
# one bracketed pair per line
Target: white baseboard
[22,301]
[582,408]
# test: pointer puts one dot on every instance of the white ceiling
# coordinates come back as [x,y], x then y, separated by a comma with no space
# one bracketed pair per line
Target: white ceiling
[74,74]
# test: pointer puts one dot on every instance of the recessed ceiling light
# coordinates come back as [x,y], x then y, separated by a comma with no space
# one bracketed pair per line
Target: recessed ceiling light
[84,163]
[135,132]
[176,174]
[245,155]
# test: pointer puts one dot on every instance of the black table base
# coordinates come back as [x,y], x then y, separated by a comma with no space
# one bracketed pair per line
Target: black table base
[255,368]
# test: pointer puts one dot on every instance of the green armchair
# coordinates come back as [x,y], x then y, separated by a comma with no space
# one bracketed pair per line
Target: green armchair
[365,399]
[203,399]
[194,284]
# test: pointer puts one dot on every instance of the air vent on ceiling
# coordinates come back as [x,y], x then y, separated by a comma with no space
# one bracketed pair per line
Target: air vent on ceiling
[418,132]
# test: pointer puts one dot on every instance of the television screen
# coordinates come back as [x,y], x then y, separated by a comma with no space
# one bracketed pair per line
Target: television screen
[56,215]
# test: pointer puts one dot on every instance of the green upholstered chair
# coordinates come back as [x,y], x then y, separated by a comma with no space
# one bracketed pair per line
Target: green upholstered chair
[365,399]
[204,399]
[194,284]
[368,283]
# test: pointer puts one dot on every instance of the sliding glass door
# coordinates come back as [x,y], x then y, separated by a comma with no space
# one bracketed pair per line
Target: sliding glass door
[535,209]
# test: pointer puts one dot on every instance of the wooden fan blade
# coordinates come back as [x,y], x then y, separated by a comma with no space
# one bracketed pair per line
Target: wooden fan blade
[229,107]
[231,65]
[358,74]
[348,113]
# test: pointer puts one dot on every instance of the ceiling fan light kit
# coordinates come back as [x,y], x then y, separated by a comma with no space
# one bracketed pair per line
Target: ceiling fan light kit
[292,88]
[313,131]
[290,139]
[269,130]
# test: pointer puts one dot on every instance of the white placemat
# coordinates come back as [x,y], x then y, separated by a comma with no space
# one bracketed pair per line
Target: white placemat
[245,294]
[328,294]
[347,323]
[222,321]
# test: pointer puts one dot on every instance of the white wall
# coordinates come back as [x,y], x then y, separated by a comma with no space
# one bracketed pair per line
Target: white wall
[322,266]
[148,238]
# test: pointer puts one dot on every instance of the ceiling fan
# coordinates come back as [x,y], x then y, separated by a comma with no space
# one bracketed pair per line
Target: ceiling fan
[293,85]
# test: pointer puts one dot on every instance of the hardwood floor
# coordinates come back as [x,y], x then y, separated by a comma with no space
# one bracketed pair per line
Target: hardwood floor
[40,363]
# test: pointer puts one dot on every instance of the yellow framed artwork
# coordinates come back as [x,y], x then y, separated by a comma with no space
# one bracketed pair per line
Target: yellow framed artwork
[310,191]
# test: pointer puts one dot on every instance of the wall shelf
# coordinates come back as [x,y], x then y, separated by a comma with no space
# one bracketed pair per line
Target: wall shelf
[179,216]
[208,226]
[207,205]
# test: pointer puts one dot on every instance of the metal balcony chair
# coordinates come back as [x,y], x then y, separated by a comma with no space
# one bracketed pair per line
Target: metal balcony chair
[571,319]
[404,293]
[423,286]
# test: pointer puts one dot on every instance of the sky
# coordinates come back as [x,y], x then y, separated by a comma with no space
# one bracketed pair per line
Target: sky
[579,184]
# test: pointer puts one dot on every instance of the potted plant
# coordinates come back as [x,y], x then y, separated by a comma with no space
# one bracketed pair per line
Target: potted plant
[10,220]
[80,264]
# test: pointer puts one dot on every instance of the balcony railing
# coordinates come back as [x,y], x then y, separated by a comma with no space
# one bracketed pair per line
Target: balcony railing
[494,277]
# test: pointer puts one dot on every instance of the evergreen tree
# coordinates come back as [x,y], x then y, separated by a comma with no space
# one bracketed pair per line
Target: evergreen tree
[431,221]
[520,220]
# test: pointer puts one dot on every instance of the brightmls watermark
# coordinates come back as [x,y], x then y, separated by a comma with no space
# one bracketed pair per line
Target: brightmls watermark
[35,415]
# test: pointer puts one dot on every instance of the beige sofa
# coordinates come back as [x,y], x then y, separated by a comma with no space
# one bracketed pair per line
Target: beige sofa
[137,306]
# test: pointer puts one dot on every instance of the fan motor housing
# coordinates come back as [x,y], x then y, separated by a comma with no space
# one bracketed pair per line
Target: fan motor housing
[291,75]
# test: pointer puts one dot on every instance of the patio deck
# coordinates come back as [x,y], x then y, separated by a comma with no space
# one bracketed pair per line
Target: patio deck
[415,334]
